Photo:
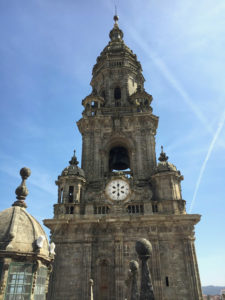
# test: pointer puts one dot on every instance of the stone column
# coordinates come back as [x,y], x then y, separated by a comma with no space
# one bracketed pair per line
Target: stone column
[119,268]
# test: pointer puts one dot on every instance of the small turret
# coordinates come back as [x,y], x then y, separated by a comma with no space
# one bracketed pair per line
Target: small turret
[70,184]
[167,189]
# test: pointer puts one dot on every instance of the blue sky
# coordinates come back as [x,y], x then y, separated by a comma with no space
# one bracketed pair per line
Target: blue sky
[47,52]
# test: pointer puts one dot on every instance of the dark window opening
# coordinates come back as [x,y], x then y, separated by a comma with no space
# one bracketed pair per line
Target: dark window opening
[117,93]
[167,281]
[135,209]
[71,189]
[69,210]
[119,159]
[101,210]
[154,208]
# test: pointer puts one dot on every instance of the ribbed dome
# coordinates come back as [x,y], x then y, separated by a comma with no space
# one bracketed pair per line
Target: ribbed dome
[117,49]
[19,232]
[164,165]
[73,168]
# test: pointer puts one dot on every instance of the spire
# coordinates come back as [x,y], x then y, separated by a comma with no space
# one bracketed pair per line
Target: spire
[74,160]
[163,156]
[116,17]
[22,190]
[116,34]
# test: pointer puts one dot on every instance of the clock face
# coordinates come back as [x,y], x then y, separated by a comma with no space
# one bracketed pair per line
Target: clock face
[117,189]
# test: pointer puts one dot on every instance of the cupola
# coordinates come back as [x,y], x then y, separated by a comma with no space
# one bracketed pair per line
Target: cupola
[117,72]
[70,184]
[167,188]
[25,254]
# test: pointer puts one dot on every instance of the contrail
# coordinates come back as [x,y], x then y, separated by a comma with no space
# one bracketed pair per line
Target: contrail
[170,77]
[202,170]
[175,83]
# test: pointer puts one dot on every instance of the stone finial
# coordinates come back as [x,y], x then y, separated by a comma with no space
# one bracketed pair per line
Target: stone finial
[22,191]
[163,156]
[144,250]
[116,34]
[134,286]
[74,160]
[116,18]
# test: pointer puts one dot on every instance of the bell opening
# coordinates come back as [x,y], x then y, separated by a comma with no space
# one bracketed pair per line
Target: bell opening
[119,159]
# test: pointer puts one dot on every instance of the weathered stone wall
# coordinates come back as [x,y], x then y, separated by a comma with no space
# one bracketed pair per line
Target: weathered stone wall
[105,247]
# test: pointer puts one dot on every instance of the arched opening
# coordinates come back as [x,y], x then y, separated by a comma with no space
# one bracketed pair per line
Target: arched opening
[119,159]
[103,293]
[71,190]
[117,96]
[117,93]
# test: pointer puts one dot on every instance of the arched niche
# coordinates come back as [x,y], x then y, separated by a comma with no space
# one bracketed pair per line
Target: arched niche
[119,159]
[116,146]
[117,93]
[117,96]
[103,279]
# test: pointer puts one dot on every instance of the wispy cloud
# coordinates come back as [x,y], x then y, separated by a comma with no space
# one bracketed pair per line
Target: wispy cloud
[209,152]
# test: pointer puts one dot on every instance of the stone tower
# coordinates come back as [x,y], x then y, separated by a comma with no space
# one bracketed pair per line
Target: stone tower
[121,194]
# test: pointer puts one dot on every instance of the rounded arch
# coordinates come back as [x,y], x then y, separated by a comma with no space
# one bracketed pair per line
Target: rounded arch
[103,279]
[119,158]
[113,146]
[117,93]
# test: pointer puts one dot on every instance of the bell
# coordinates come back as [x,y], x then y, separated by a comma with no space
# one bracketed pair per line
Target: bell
[119,159]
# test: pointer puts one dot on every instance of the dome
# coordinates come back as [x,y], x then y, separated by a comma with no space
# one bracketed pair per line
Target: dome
[19,232]
[73,168]
[164,165]
[117,53]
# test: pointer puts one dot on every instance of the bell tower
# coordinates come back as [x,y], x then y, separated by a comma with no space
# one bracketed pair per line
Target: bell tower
[121,193]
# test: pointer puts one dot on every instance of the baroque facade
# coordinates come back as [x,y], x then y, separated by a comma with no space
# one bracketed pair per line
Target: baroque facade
[121,194]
